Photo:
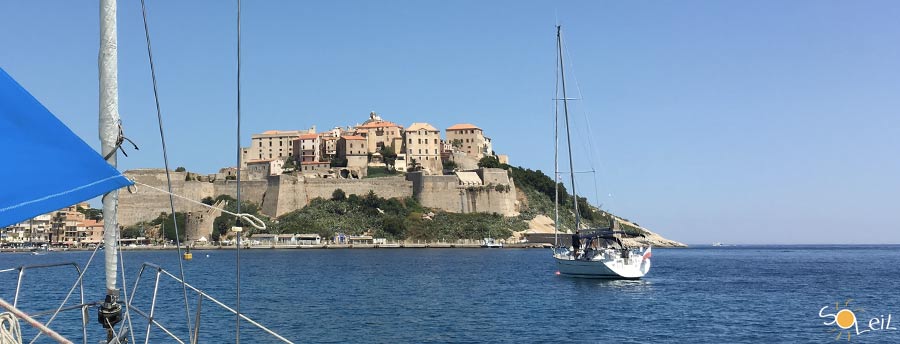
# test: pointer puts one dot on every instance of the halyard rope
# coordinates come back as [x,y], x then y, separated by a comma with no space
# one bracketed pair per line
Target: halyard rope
[250,219]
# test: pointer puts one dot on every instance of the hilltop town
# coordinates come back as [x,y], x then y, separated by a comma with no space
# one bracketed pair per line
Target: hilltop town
[427,183]
[376,144]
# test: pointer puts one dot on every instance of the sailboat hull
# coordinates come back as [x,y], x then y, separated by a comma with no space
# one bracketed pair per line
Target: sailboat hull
[603,269]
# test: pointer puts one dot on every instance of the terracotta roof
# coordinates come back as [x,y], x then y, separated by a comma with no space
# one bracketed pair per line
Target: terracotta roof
[462,126]
[353,137]
[379,124]
[420,126]
[308,136]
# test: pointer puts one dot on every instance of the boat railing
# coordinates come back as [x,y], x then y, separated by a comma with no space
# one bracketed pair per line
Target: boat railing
[195,334]
[29,318]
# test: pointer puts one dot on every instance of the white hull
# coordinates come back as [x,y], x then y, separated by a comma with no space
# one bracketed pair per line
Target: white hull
[606,267]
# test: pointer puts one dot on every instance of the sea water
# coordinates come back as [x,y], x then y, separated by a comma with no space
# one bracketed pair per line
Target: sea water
[698,295]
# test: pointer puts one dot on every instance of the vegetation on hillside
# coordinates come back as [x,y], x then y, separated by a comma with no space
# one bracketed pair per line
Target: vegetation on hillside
[391,218]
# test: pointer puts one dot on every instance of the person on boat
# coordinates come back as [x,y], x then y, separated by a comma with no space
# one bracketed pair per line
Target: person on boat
[576,244]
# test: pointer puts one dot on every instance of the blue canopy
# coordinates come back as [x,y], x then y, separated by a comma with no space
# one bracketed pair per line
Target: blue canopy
[47,166]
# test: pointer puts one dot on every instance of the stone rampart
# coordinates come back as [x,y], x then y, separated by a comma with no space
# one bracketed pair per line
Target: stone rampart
[285,193]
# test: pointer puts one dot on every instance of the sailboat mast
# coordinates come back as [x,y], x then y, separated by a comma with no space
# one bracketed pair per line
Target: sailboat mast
[110,311]
[109,131]
[556,152]
[562,74]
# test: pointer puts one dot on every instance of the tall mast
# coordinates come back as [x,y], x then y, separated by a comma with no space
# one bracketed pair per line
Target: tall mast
[110,311]
[556,150]
[562,74]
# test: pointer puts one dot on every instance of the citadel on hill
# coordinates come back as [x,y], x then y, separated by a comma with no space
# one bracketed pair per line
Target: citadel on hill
[283,171]
[350,152]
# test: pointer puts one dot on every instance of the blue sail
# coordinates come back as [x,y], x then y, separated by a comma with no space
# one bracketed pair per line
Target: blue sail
[48,167]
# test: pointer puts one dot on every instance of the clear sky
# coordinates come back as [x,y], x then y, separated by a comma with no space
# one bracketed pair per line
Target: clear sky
[730,121]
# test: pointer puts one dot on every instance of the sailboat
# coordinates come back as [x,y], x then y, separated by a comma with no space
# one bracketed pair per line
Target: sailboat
[34,135]
[598,252]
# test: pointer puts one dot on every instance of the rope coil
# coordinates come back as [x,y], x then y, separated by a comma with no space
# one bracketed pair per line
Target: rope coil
[9,329]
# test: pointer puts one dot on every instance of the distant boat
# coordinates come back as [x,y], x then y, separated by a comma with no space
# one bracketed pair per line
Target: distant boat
[491,243]
[40,251]
[595,253]
[717,244]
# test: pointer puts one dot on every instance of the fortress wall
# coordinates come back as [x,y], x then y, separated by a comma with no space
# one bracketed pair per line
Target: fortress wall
[146,204]
[282,194]
[288,193]
[445,193]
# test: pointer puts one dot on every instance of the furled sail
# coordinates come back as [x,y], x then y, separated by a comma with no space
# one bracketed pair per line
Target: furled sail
[47,167]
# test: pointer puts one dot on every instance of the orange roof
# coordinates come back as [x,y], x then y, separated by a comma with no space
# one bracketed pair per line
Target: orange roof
[353,137]
[379,124]
[462,126]
[308,136]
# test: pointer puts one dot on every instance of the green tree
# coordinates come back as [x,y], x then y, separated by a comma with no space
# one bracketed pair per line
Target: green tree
[450,165]
[133,231]
[208,200]
[289,164]
[180,169]
[388,154]
[489,162]
[91,213]
[338,162]
[456,143]
[338,195]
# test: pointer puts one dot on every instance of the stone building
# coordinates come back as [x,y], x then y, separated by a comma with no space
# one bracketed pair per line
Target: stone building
[272,144]
[379,133]
[469,139]
[306,148]
[262,169]
[423,144]
[354,149]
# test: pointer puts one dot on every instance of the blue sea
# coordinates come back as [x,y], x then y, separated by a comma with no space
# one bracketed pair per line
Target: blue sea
[750,294]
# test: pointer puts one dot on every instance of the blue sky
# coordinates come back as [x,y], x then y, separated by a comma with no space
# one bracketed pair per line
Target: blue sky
[739,122]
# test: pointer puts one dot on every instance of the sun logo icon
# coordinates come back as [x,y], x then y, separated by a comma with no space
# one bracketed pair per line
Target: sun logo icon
[844,318]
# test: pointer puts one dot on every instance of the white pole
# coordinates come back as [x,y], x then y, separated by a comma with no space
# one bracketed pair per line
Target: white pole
[109,131]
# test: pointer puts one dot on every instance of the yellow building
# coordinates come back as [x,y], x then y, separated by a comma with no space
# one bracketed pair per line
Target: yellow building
[380,133]
[469,139]
[423,144]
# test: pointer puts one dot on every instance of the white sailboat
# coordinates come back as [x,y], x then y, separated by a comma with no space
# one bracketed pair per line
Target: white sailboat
[595,253]
[36,133]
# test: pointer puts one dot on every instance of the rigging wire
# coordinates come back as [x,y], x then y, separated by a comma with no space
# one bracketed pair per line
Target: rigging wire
[162,137]
[591,149]
[130,327]
[69,294]
[249,218]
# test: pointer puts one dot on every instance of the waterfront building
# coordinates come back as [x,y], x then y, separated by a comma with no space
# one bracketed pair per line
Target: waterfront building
[423,144]
[469,139]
